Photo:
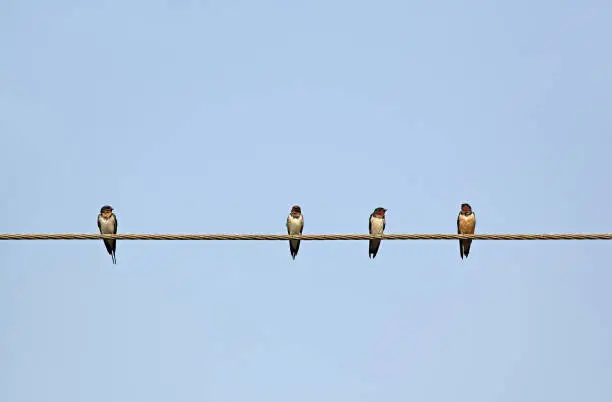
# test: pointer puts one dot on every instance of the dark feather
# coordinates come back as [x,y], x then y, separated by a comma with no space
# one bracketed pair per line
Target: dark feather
[466,247]
[110,247]
[460,241]
[294,245]
[114,241]
[374,244]
[110,244]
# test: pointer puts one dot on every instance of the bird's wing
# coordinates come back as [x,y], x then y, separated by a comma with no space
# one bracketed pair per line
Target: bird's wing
[116,224]
[99,226]
[459,232]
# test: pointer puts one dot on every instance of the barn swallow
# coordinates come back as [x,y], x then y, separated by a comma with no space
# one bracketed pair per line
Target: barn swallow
[107,223]
[377,227]
[466,223]
[295,226]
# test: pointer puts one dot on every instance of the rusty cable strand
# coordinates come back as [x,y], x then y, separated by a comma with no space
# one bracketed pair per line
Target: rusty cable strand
[307,237]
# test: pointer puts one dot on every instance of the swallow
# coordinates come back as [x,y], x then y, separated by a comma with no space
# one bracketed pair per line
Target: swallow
[295,226]
[377,227]
[107,223]
[466,223]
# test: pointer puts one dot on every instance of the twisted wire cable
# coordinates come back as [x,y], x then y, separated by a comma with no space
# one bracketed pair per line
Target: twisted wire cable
[307,237]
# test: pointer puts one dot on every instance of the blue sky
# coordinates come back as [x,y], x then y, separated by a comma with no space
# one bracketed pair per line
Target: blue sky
[216,117]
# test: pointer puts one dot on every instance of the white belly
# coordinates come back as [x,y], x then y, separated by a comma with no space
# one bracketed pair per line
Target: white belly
[107,226]
[293,225]
[377,225]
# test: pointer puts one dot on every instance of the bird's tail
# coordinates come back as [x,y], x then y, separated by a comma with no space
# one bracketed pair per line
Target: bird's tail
[294,247]
[114,258]
[466,247]
[373,250]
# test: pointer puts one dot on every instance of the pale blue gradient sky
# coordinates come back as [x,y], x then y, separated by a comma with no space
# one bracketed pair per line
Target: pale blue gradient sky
[208,117]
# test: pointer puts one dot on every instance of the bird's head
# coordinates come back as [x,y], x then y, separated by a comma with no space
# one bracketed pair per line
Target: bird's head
[466,209]
[379,212]
[106,211]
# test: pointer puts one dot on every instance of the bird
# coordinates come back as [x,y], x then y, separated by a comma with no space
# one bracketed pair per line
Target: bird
[466,224]
[107,223]
[295,226]
[377,227]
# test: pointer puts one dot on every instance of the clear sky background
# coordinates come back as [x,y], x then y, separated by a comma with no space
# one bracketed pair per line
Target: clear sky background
[217,116]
